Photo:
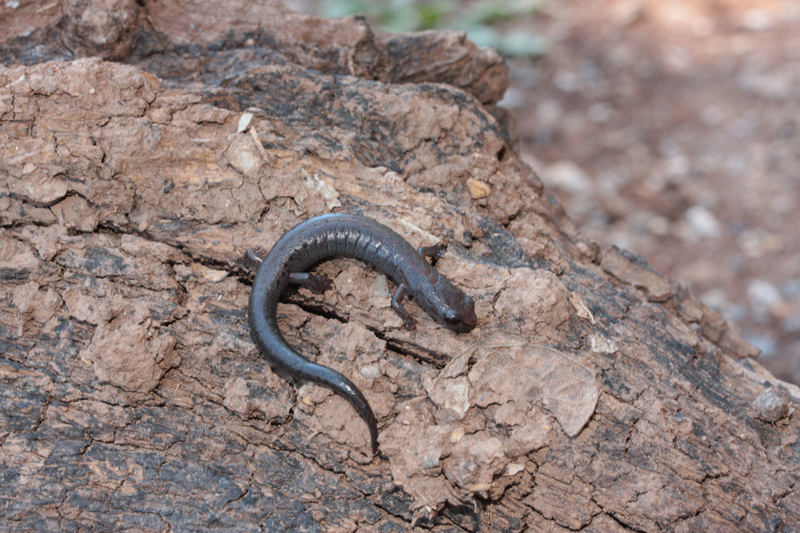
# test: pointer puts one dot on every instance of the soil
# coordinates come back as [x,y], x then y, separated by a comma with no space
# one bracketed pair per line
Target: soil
[670,129]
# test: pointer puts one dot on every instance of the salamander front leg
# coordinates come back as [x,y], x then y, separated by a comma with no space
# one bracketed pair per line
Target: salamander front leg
[409,321]
[316,283]
[435,252]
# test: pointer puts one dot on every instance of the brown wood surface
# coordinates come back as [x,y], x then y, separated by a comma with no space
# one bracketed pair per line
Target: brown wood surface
[595,394]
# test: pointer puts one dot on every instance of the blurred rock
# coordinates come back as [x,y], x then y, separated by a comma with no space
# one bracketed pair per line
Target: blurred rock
[757,20]
[548,118]
[711,115]
[763,298]
[702,27]
[609,182]
[771,405]
[716,299]
[624,12]
[778,84]
[755,243]
[657,225]
[762,292]
[791,324]
[574,122]
[678,166]
[790,289]
[599,112]
[641,221]
[702,222]
[568,177]
[566,81]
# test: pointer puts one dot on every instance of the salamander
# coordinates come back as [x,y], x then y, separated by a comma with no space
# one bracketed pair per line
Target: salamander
[346,235]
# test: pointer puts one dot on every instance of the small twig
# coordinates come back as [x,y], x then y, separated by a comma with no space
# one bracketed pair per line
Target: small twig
[260,146]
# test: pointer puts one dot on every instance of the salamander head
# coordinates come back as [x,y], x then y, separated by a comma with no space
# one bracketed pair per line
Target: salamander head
[448,306]
[461,317]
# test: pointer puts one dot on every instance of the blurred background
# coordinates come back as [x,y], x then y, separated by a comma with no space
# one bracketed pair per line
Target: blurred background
[670,128]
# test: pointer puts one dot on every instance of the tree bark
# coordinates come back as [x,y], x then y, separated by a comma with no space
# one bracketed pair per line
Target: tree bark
[595,394]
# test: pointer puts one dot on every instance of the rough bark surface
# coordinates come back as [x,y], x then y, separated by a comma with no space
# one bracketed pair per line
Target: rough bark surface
[595,394]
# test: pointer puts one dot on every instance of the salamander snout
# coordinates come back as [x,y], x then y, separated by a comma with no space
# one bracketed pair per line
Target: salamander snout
[460,317]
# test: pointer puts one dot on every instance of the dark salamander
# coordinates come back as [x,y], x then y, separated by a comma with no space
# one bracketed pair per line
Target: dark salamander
[344,235]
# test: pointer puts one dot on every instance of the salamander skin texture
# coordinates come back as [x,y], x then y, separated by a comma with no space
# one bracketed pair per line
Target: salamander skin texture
[345,235]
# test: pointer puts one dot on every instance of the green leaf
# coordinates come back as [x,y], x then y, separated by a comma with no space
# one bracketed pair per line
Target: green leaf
[482,35]
[334,9]
[522,44]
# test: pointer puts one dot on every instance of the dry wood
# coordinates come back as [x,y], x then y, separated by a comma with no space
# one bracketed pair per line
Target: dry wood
[595,394]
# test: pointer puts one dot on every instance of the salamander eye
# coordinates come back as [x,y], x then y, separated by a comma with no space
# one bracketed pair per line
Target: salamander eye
[451,315]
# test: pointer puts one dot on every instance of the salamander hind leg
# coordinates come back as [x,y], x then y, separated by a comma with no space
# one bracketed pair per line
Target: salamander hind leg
[254,257]
[435,252]
[316,283]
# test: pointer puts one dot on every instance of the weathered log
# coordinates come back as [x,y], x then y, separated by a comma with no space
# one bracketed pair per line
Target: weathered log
[595,394]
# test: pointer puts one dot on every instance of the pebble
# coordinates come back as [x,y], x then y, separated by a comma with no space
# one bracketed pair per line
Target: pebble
[762,292]
[370,372]
[790,289]
[478,189]
[711,115]
[756,243]
[678,166]
[702,222]
[430,462]
[757,20]
[568,177]
[737,164]
[716,299]
[599,112]
[657,225]
[702,27]
[627,11]
[771,405]
[791,324]
[574,122]
[763,298]
[776,85]
[744,129]
[548,118]
[677,58]
[244,122]
[736,263]
[736,314]
[566,81]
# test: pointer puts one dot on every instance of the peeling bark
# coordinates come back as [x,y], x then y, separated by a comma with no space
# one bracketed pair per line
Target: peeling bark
[595,394]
